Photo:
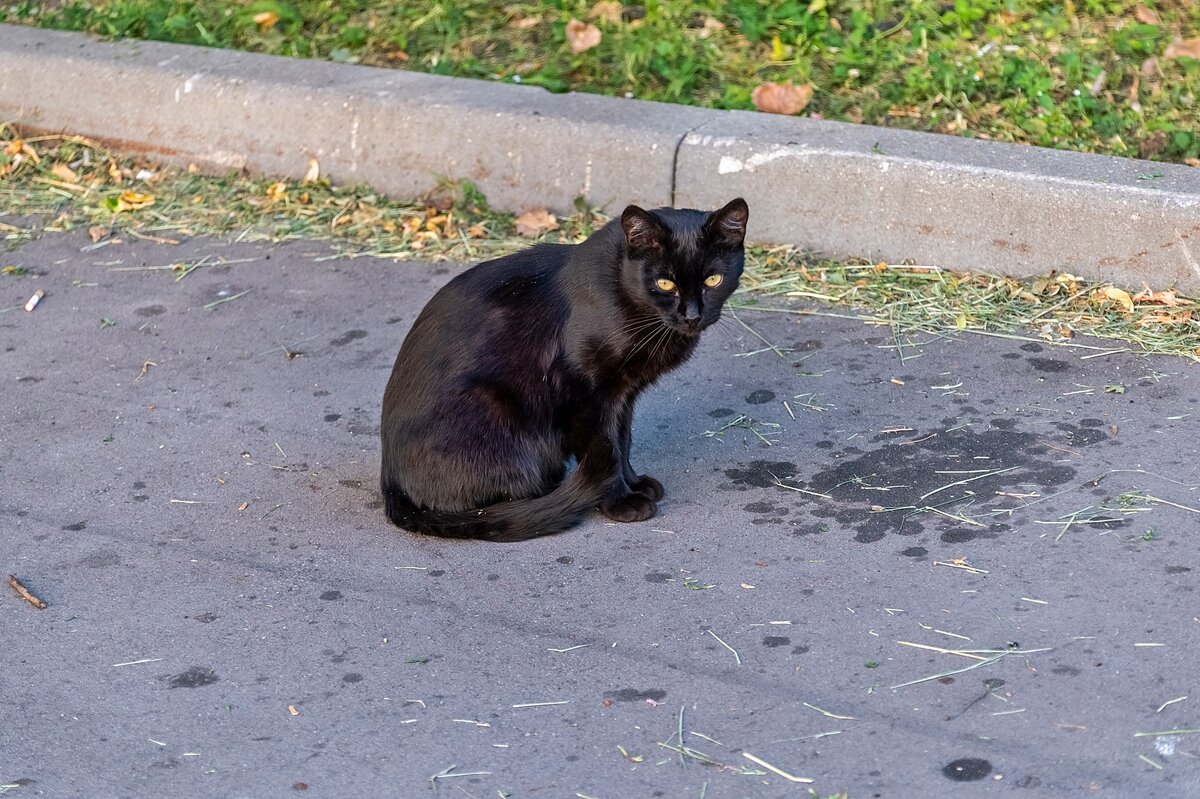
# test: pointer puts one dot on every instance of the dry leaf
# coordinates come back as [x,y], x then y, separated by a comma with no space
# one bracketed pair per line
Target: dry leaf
[1146,16]
[96,232]
[525,23]
[64,173]
[1119,296]
[1166,297]
[535,222]
[266,19]
[132,200]
[781,98]
[607,10]
[277,191]
[1183,48]
[1150,67]
[582,36]
[711,25]
[314,171]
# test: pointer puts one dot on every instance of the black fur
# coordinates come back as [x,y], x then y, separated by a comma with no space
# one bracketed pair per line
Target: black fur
[522,363]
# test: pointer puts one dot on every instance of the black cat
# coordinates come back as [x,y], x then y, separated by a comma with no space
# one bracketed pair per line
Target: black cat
[521,363]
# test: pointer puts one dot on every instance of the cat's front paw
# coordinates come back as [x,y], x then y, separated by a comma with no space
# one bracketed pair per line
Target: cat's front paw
[630,507]
[647,486]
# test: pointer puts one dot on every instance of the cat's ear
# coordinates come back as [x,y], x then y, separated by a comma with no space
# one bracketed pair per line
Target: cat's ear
[728,225]
[643,232]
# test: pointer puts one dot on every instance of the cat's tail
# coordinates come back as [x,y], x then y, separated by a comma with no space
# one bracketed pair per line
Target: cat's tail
[515,520]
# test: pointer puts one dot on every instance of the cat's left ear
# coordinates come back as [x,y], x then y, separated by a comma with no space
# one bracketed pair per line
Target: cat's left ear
[728,225]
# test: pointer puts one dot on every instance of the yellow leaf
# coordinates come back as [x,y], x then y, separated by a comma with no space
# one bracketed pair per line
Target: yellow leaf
[1119,296]
[266,19]
[132,200]
[277,191]
[960,321]
[781,98]
[64,173]
[535,221]
[314,171]
[582,36]
[778,51]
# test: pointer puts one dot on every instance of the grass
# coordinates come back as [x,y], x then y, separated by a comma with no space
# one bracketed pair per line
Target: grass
[1089,75]
[51,183]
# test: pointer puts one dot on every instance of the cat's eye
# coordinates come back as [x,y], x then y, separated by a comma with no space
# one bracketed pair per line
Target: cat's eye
[712,281]
[664,284]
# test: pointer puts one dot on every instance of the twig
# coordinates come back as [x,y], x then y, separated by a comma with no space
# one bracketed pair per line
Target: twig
[25,592]
[231,298]
[759,761]
[736,656]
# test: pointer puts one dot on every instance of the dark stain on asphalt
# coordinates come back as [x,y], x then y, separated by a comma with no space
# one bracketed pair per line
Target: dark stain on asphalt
[352,677]
[101,558]
[658,577]
[195,677]
[914,552]
[565,560]
[347,337]
[332,417]
[773,641]
[799,649]
[1070,671]
[761,507]
[761,474]
[760,397]
[967,769]
[1082,436]
[151,310]
[206,618]
[1177,569]
[76,527]
[329,596]
[1052,365]
[1032,346]
[29,379]
[634,695]
[718,413]
[906,474]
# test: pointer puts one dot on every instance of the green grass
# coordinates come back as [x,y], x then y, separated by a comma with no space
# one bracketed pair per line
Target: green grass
[52,183]
[1078,74]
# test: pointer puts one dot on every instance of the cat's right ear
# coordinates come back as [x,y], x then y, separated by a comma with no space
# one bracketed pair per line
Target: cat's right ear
[643,232]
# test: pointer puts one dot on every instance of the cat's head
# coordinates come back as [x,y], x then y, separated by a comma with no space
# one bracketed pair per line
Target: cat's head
[685,263]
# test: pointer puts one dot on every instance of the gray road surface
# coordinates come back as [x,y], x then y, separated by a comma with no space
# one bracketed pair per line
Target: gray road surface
[231,615]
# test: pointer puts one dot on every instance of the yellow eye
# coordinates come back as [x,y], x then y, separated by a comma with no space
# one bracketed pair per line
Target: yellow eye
[665,285]
[712,281]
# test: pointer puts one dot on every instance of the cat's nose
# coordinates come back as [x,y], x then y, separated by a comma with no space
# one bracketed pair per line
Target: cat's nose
[691,311]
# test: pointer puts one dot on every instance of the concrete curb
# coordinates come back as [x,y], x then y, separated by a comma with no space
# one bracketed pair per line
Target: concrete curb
[844,190]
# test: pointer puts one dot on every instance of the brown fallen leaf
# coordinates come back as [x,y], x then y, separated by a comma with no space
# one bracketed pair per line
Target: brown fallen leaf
[1183,48]
[1146,16]
[1165,297]
[535,222]
[96,232]
[781,98]
[607,10]
[710,26]
[582,36]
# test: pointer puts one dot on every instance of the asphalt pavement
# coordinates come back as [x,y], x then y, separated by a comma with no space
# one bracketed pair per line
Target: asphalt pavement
[895,567]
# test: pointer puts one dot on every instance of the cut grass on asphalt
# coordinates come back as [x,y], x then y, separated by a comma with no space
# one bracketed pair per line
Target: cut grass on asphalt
[52,183]
[1091,75]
